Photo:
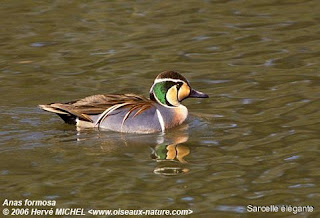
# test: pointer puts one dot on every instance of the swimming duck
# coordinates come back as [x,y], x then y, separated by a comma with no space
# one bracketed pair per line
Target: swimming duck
[132,113]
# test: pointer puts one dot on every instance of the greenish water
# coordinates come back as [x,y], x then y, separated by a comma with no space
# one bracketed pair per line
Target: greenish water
[254,141]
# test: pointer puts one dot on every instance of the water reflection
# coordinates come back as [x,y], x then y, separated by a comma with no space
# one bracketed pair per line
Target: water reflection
[167,149]
[170,157]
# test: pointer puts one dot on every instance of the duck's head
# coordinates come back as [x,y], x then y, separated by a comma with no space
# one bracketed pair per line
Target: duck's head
[170,88]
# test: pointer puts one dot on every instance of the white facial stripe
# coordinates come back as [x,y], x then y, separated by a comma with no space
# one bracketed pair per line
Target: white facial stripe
[167,79]
[161,121]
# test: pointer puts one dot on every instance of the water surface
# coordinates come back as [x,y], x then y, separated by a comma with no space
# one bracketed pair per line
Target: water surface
[254,141]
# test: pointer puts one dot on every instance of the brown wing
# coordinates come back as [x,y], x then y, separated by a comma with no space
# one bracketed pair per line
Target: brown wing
[97,104]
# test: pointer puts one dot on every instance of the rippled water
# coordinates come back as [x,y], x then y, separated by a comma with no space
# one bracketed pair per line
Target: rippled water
[254,141]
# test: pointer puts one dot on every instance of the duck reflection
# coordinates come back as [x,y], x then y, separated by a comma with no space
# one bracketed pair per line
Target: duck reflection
[167,149]
[170,157]
[173,152]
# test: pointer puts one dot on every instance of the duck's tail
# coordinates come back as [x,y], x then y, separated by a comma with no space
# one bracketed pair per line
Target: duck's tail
[65,115]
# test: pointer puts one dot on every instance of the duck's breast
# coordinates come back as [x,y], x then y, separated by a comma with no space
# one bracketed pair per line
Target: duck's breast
[173,116]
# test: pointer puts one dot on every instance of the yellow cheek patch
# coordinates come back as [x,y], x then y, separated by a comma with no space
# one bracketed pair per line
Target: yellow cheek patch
[172,96]
[184,92]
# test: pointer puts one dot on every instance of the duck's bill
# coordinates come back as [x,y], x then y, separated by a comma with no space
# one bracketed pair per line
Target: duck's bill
[197,94]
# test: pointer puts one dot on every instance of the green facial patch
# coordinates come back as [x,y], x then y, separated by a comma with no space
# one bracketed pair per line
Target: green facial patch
[160,90]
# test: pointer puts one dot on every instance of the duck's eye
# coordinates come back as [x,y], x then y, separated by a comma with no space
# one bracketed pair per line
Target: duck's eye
[179,85]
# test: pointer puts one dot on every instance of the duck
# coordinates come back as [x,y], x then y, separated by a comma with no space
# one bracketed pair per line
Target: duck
[131,113]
